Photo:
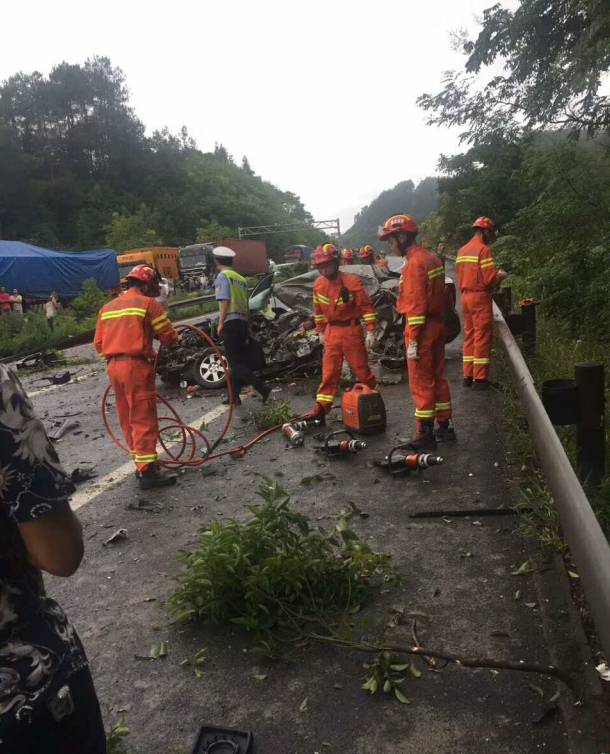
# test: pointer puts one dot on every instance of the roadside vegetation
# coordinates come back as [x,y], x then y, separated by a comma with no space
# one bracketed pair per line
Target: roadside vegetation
[536,159]
[31,332]
[556,354]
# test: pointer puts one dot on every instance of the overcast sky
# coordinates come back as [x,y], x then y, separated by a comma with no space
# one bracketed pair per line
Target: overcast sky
[319,95]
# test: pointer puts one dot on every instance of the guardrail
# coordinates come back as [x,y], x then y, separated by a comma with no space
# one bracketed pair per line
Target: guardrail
[192,301]
[587,542]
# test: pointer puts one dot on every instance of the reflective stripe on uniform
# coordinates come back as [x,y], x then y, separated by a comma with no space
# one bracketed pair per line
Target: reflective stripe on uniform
[466,258]
[419,320]
[485,263]
[320,317]
[116,313]
[434,273]
[320,299]
[443,406]
[323,398]
[161,323]
[421,413]
[341,302]
[146,459]
[481,361]
[369,317]
[468,359]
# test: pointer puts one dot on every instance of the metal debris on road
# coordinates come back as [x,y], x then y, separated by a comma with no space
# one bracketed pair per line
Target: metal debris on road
[67,426]
[118,536]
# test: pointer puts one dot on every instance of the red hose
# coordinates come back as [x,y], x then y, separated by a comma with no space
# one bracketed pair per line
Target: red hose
[185,456]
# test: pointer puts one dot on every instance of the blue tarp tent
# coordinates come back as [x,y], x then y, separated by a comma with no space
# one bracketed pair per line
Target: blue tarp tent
[37,272]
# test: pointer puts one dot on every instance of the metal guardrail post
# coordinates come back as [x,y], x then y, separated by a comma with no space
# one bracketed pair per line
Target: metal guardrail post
[591,429]
[588,545]
[528,314]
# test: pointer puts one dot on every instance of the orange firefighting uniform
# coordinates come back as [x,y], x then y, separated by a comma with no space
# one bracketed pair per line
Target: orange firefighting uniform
[124,336]
[422,300]
[477,275]
[343,335]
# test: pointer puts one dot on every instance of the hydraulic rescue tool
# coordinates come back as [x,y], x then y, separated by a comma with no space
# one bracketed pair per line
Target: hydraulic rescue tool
[295,436]
[309,422]
[402,460]
[335,446]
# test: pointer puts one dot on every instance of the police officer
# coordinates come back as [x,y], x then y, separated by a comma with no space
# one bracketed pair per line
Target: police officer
[232,296]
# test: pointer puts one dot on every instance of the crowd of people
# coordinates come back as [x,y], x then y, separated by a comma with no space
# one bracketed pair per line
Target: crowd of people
[14,303]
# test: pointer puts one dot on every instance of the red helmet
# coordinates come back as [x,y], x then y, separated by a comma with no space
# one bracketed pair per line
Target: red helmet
[366,252]
[325,252]
[484,223]
[397,224]
[347,256]
[144,274]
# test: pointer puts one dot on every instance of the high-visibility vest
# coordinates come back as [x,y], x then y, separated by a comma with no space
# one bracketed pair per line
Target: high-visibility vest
[238,286]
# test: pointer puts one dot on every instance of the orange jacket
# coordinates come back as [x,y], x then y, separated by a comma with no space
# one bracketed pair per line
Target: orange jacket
[329,307]
[129,323]
[476,269]
[422,290]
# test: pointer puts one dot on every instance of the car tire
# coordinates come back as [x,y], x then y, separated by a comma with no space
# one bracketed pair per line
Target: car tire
[207,371]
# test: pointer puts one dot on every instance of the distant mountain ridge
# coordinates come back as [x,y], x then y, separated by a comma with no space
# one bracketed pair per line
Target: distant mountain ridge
[418,201]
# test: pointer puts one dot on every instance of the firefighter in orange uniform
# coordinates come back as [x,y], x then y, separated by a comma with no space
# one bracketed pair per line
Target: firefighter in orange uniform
[477,276]
[366,255]
[126,327]
[339,303]
[422,300]
[347,256]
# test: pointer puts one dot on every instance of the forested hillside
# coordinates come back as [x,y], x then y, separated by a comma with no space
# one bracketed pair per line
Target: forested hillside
[78,171]
[419,201]
[539,153]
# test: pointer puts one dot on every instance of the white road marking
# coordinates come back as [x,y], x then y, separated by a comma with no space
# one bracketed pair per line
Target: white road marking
[114,477]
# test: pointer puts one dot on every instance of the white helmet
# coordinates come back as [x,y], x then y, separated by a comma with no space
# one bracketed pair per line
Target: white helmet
[223,252]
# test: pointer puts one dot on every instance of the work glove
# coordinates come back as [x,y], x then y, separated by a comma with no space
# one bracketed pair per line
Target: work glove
[412,353]
[370,340]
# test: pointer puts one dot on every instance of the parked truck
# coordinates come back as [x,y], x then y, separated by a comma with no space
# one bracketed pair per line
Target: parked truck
[163,259]
[35,272]
[251,257]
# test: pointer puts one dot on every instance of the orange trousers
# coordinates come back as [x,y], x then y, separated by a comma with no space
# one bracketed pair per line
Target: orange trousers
[133,381]
[339,343]
[478,331]
[427,381]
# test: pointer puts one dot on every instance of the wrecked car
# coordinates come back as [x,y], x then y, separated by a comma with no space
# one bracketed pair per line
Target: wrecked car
[277,312]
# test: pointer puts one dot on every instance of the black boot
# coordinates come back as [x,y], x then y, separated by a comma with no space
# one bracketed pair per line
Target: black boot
[445,432]
[480,385]
[467,381]
[152,477]
[425,439]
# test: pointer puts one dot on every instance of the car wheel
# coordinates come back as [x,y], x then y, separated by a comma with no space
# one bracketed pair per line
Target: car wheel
[208,370]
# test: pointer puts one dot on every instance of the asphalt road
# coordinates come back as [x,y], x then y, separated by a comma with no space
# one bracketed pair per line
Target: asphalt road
[456,582]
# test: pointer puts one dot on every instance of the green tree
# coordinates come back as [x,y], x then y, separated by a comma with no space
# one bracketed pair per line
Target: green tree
[210,230]
[554,56]
[133,231]
[418,201]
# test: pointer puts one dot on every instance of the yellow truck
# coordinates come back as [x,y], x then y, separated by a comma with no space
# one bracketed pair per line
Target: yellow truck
[163,259]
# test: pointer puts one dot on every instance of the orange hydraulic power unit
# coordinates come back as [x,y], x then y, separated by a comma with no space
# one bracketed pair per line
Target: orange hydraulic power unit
[363,410]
